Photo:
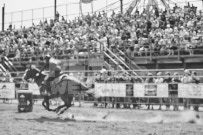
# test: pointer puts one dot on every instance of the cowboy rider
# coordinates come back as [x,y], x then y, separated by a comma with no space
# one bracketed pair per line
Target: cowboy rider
[54,71]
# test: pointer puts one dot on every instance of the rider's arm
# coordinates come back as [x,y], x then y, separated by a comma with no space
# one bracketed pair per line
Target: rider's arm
[45,66]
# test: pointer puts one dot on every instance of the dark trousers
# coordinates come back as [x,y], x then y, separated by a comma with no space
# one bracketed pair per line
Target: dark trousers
[48,83]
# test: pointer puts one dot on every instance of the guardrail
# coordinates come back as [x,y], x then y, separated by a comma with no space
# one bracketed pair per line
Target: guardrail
[127,94]
[150,54]
[153,53]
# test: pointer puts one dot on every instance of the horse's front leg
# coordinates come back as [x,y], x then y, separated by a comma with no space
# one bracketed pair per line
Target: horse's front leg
[43,104]
[46,101]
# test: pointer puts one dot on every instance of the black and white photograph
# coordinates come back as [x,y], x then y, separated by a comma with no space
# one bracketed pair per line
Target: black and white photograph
[101,67]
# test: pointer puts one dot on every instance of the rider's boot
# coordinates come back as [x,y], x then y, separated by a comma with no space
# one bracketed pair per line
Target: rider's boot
[48,88]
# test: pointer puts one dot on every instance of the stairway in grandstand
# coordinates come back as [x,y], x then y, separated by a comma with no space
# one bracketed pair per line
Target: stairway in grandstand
[7,65]
[119,61]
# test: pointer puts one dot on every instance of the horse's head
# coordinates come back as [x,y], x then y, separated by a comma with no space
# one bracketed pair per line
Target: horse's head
[31,73]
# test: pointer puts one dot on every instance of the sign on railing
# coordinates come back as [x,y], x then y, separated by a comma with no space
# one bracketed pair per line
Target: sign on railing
[110,89]
[190,91]
[151,90]
[148,90]
[130,90]
[7,90]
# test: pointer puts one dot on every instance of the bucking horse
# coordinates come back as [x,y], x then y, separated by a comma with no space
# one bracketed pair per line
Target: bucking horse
[64,86]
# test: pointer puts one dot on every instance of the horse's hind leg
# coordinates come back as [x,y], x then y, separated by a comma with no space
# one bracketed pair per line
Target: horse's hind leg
[67,100]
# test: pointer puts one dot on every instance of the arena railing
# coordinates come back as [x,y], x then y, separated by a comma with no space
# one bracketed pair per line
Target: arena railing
[136,54]
[127,100]
[94,73]
[58,56]
[179,52]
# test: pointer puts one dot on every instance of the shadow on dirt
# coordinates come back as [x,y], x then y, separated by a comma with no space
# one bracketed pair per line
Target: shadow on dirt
[48,119]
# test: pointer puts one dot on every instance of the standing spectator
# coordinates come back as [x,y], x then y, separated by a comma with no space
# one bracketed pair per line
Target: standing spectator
[149,79]
[186,79]
[196,80]
[176,78]
[159,79]
[167,79]
[174,94]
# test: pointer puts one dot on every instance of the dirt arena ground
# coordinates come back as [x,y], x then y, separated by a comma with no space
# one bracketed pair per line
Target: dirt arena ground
[98,121]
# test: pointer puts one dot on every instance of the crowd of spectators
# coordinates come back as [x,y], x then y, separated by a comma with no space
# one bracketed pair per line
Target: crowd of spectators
[162,32]
[5,77]
[159,77]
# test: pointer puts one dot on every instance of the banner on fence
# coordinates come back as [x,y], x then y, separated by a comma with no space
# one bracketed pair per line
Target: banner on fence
[7,90]
[150,90]
[34,87]
[110,89]
[190,91]
[130,90]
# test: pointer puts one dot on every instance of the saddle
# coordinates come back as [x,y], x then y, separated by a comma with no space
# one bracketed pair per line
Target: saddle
[59,79]
[64,82]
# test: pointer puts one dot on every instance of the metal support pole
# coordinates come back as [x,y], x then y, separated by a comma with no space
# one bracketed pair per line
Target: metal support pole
[92,7]
[179,49]
[22,19]
[66,12]
[150,50]
[202,4]
[32,16]
[80,7]
[106,5]
[121,6]
[55,3]
[3,17]
[11,17]
[43,14]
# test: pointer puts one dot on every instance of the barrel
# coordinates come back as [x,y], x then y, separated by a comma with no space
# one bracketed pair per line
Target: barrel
[25,101]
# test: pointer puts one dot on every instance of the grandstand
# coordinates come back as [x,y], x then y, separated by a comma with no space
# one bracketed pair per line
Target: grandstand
[151,38]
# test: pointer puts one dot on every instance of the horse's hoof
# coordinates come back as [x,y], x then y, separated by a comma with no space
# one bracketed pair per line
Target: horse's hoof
[61,112]
[56,110]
